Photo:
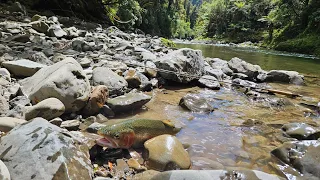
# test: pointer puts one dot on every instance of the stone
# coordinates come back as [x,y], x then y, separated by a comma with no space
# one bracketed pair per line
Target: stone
[56,31]
[150,69]
[94,127]
[291,77]
[128,102]
[203,163]
[146,175]
[64,80]
[132,78]
[104,76]
[187,61]
[101,118]
[8,123]
[121,168]
[4,172]
[48,109]
[23,38]
[97,99]
[301,131]
[37,17]
[23,67]
[215,174]
[4,106]
[81,46]
[132,163]
[4,73]
[85,62]
[17,7]
[209,82]
[107,111]
[166,152]
[195,103]
[239,66]
[48,143]
[148,56]
[71,125]
[41,58]
[40,26]
[56,121]
[4,49]
[217,73]
[302,156]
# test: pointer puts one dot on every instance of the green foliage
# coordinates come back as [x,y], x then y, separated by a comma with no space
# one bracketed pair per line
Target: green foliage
[167,42]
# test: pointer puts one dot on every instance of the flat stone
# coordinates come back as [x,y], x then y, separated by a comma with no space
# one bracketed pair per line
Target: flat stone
[23,67]
[128,102]
[48,109]
[291,77]
[71,125]
[8,123]
[301,131]
[209,82]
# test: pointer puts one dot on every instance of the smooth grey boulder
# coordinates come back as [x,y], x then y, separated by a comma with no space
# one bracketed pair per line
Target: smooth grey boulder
[23,67]
[48,109]
[214,175]
[187,61]
[128,102]
[195,103]
[217,63]
[302,156]
[209,82]
[104,76]
[8,123]
[239,66]
[291,77]
[64,80]
[4,172]
[39,150]
[301,131]
[217,73]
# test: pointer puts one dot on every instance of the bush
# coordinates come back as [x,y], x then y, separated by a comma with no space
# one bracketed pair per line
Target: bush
[167,42]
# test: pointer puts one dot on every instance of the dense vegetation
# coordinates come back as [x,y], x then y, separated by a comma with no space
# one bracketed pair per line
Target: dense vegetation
[291,25]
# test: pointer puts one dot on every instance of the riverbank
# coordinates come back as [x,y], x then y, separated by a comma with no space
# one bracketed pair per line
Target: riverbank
[78,98]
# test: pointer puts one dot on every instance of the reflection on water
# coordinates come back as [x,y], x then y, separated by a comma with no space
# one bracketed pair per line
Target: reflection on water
[267,59]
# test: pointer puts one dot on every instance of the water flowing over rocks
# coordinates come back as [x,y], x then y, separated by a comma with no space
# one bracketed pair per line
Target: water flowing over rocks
[40,150]
[64,80]
[195,103]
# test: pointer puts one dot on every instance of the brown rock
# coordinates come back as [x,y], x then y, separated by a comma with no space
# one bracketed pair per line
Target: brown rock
[97,99]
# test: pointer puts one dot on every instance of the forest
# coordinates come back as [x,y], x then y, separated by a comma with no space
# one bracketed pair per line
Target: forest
[290,25]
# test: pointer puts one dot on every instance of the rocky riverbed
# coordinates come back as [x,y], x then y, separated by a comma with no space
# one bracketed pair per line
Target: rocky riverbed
[63,79]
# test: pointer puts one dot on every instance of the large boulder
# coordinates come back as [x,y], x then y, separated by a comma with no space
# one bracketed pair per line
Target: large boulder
[301,131]
[104,76]
[48,109]
[40,150]
[64,80]
[23,67]
[209,82]
[239,66]
[166,152]
[291,77]
[302,156]
[128,102]
[187,61]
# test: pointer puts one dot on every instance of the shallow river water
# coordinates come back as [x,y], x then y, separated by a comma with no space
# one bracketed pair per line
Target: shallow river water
[221,139]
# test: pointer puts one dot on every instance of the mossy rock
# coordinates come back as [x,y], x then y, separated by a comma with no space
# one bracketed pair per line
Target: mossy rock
[167,42]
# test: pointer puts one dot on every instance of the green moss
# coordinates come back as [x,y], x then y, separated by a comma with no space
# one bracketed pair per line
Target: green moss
[167,42]
[306,44]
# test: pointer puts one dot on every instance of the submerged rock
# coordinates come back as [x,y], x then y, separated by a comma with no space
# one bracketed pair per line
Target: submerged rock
[64,80]
[187,61]
[48,109]
[166,152]
[128,102]
[292,77]
[195,103]
[301,131]
[40,150]
[302,156]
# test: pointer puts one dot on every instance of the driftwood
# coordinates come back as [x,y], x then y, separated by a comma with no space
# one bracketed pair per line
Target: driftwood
[286,93]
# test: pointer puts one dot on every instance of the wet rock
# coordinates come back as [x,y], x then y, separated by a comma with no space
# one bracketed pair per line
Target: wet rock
[94,127]
[23,67]
[4,106]
[302,156]
[135,165]
[48,109]
[64,80]
[209,82]
[239,66]
[107,111]
[132,78]
[4,172]
[101,118]
[146,175]
[8,123]
[182,61]
[71,125]
[151,71]
[121,168]
[301,131]
[81,46]
[48,143]
[254,140]
[217,73]
[104,76]
[128,102]
[40,26]
[56,121]
[203,163]
[195,103]
[215,174]
[291,77]
[97,99]
[166,152]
